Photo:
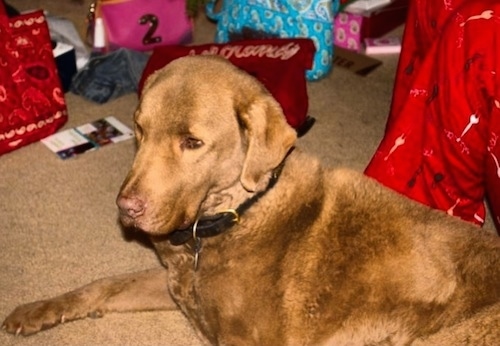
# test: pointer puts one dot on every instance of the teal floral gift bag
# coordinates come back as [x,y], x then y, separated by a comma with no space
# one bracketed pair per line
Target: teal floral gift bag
[251,19]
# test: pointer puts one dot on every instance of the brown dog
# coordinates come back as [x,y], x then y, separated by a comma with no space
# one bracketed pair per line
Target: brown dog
[265,247]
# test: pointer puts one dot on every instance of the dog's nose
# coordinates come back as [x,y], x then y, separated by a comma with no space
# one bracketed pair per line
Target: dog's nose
[131,206]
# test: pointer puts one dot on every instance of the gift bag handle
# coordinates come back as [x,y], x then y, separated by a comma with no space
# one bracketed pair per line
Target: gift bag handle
[210,11]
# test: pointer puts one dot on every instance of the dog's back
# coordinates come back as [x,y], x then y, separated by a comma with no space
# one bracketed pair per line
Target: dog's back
[404,262]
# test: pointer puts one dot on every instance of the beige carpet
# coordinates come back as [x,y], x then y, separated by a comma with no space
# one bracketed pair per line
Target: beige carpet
[58,220]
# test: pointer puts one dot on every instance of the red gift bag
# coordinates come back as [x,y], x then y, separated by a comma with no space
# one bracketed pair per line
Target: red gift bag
[32,104]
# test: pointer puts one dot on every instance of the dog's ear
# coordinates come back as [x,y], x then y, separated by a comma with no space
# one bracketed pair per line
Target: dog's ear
[269,139]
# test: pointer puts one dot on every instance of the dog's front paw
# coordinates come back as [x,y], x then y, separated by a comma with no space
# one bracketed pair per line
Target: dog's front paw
[33,317]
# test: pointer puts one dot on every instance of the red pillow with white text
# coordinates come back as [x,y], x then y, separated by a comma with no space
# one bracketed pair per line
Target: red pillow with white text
[279,64]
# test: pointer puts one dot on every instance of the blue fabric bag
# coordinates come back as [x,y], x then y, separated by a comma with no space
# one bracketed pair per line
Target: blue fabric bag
[252,19]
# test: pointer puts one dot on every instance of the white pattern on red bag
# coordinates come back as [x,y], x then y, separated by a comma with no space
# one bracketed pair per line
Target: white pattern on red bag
[30,128]
[245,51]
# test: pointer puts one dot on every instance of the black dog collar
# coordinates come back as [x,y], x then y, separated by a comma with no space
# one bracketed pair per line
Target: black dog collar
[213,225]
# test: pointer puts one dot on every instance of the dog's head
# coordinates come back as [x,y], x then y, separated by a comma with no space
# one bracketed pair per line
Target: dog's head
[203,128]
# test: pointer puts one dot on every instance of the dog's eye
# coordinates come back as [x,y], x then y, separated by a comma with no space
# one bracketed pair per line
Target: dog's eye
[191,143]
